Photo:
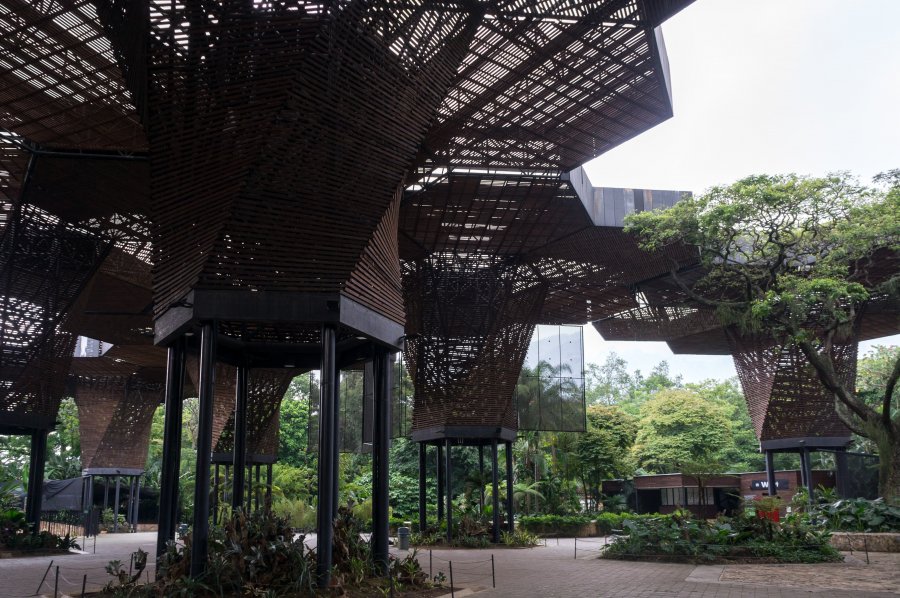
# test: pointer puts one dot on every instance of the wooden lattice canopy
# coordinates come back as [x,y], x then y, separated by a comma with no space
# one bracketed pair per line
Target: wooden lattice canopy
[489,255]
[788,404]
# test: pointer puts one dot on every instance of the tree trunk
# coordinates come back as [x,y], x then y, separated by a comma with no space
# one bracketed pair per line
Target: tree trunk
[889,470]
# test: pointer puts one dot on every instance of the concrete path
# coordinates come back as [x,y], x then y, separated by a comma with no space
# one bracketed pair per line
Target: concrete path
[550,571]
[21,577]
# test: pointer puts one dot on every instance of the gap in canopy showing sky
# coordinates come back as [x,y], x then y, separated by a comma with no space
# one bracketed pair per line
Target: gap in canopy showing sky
[769,86]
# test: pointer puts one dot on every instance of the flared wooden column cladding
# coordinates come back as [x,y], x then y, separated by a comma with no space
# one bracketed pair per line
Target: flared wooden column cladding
[265,390]
[784,395]
[468,329]
[223,394]
[290,188]
[45,265]
[115,415]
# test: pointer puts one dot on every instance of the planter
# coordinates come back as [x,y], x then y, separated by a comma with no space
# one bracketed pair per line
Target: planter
[858,541]
[770,515]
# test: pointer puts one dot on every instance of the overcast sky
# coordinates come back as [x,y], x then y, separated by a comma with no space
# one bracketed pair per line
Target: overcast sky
[768,86]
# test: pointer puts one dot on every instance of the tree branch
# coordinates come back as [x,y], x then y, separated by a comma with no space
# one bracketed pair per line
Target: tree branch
[847,418]
[700,298]
[827,376]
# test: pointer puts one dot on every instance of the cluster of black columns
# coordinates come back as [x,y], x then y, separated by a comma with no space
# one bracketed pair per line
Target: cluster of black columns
[806,477]
[133,478]
[258,491]
[445,485]
[328,449]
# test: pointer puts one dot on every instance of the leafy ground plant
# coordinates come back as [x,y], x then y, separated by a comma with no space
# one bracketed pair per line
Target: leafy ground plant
[258,554]
[745,538]
[857,515]
[17,535]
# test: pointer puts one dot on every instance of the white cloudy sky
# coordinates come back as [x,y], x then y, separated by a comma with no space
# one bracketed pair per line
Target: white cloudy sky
[769,86]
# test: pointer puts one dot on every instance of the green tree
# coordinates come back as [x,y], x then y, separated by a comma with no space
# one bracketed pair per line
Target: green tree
[679,427]
[743,453]
[604,449]
[293,435]
[608,384]
[873,371]
[799,259]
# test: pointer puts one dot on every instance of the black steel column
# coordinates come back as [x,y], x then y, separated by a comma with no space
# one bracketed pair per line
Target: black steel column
[325,513]
[770,474]
[215,495]
[256,494]
[381,438]
[116,510]
[171,457]
[206,392]
[137,501]
[88,503]
[495,493]
[35,496]
[423,517]
[129,510]
[842,473]
[240,437]
[336,465]
[440,483]
[511,526]
[268,487]
[481,479]
[248,487]
[806,466]
[449,487]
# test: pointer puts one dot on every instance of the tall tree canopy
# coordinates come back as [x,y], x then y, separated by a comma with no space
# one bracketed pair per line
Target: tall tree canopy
[798,258]
[678,429]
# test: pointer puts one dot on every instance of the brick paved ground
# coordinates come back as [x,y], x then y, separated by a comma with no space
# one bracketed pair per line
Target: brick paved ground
[546,572]
[551,571]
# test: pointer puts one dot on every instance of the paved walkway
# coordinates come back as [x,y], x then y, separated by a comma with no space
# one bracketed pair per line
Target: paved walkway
[550,571]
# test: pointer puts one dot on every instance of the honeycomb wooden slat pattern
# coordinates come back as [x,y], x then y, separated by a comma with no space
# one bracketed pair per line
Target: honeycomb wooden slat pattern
[60,84]
[265,390]
[45,265]
[784,395]
[281,133]
[469,325]
[114,420]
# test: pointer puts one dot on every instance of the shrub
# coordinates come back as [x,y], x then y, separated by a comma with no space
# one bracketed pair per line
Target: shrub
[258,555]
[520,538]
[680,537]
[607,523]
[300,514]
[857,515]
[17,535]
